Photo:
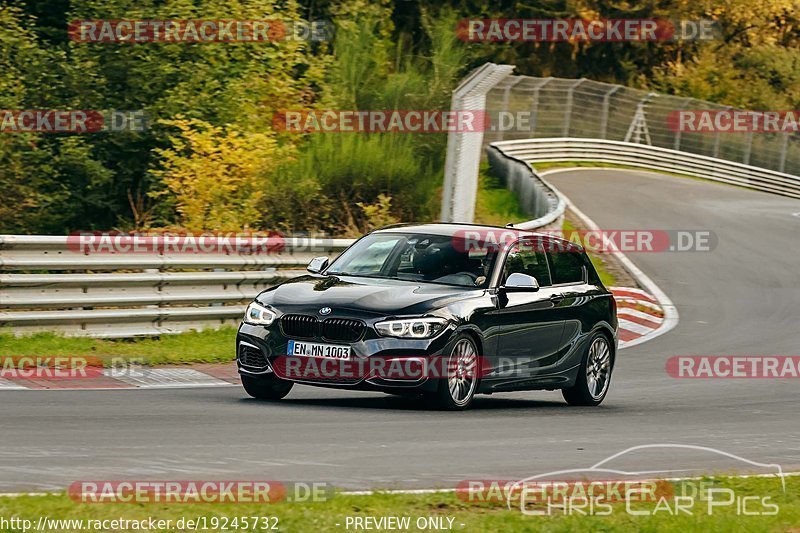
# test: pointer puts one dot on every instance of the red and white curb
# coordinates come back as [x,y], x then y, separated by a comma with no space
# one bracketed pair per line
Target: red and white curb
[638,312]
[203,375]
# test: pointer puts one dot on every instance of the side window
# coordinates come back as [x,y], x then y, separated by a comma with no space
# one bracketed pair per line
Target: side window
[566,266]
[525,259]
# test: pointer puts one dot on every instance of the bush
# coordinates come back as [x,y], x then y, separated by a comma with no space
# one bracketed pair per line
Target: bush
[217,177]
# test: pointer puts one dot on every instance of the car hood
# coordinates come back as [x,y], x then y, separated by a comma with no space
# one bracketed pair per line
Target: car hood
[378,296]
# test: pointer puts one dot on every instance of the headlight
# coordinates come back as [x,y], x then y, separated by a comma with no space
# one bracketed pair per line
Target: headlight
[259,315]
[411,328]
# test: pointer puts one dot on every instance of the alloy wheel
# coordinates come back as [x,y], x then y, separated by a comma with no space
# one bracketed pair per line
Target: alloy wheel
[462,371]
[598,368]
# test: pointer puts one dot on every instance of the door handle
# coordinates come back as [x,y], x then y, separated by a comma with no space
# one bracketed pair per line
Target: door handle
[555,298]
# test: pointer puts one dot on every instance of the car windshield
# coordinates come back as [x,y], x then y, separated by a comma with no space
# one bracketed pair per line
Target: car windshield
[441,259]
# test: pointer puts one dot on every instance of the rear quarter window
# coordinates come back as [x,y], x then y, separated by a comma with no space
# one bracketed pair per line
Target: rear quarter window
[566,266]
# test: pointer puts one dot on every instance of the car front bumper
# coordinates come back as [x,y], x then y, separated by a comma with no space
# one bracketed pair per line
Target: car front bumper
[263,350]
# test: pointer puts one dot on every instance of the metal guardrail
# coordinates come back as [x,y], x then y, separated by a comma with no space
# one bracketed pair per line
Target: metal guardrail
[536,197]
[133,294]
[562,149]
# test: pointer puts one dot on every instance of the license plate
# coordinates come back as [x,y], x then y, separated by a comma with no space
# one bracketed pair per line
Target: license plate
[314,349]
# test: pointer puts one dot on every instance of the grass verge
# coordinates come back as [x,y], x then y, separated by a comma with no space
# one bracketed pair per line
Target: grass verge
[207,346]
[495,205]
[333,514]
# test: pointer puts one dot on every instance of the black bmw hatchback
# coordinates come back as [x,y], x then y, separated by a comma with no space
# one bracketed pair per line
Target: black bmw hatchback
[445,311]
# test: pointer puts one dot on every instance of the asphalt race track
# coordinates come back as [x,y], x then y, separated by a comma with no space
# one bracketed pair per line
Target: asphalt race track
[743,298]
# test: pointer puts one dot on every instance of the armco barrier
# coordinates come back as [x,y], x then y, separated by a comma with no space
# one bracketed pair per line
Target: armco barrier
[536,197]
[47,286]
[651,157]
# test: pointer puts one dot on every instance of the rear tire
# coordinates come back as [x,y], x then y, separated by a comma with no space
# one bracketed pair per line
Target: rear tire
[594,374]
[457,390]
[266,387]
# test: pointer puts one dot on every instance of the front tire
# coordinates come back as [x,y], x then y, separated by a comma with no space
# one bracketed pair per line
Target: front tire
[266,387]
[457,389]
[594,374]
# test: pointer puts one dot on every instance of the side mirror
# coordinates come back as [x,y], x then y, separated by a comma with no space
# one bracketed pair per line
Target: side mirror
[518,282]
[317,265]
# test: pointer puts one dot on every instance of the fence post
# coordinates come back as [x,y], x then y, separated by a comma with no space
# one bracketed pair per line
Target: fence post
[568,109]
[784,147]
[500,134]
[677,143]
[715,152]
[748,148]
[535,104]
[606,105]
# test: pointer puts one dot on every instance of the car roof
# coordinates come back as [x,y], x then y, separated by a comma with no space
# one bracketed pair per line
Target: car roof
[450,229]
